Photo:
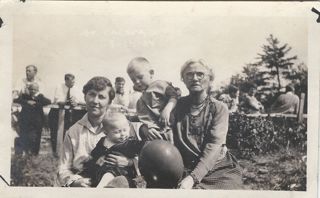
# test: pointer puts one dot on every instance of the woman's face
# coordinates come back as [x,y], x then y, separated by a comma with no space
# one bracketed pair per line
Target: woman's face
[97,102]
[196,78]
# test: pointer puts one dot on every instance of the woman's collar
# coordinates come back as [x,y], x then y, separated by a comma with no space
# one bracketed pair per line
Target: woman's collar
[86,123]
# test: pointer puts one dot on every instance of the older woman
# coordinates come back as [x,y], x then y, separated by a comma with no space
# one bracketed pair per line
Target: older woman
[200,134]
[83,136]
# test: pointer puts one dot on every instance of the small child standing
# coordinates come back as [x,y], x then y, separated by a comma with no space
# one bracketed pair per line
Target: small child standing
[31,118]
[155,105]
[117,140]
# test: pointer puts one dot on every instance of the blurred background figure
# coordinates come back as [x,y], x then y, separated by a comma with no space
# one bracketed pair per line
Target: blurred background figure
[287,102]
[250,104]
[133,99]
[231,99]
[31,119]
[121,100]
[68,93]
[21,86]
[65,94]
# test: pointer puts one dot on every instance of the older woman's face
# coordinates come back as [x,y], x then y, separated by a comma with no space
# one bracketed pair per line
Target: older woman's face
[196,78]
[97,102]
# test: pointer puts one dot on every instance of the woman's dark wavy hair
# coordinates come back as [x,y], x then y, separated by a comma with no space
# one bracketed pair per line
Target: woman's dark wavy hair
[99,83]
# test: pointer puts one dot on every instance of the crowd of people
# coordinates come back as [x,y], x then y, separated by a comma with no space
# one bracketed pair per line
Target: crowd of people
[101,145]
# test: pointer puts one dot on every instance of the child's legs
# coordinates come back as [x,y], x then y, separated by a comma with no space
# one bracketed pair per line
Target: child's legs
[34,140]
[106,178]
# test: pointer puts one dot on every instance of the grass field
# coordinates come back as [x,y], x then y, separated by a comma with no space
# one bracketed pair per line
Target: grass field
[284,170]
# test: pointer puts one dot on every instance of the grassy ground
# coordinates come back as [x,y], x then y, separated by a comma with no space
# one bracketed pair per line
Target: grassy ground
[285,170]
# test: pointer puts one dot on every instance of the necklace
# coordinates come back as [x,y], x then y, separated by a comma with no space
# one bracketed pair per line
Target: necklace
[196,109]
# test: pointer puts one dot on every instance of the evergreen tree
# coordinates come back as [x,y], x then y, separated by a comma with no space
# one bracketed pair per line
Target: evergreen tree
[275,57]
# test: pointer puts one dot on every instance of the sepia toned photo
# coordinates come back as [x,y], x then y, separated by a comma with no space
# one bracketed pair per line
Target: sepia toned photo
[161,95]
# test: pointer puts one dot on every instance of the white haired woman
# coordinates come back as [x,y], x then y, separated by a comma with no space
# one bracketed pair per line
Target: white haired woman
[200,133]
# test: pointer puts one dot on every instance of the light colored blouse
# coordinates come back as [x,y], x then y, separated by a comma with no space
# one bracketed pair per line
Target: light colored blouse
[79,141]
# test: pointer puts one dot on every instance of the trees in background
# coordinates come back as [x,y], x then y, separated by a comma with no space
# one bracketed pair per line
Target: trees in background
[273,70]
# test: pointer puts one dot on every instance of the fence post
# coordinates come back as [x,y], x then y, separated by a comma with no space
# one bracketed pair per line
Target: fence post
[60,131]
[301,106]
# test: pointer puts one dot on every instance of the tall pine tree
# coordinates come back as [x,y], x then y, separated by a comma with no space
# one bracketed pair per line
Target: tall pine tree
[275,57]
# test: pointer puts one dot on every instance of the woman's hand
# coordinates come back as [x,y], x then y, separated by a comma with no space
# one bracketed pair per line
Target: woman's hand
[81,182]
[186,183]
[117,159]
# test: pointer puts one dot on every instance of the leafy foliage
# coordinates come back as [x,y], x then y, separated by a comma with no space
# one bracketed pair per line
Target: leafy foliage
[250,136]
[273,70]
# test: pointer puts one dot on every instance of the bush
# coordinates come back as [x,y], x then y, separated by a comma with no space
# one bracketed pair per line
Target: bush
[249,136]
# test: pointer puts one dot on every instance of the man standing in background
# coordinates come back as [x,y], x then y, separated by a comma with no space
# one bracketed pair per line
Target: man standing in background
[65,95]
[121,100]
[31,77]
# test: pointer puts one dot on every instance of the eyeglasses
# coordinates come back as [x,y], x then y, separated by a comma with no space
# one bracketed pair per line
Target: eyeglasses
[190,75]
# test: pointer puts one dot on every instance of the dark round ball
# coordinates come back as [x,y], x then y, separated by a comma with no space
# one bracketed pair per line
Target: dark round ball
[161,164]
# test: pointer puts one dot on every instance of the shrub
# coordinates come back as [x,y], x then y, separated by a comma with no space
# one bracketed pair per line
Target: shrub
[249,136]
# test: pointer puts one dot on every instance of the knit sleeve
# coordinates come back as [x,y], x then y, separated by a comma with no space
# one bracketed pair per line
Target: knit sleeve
[216,138]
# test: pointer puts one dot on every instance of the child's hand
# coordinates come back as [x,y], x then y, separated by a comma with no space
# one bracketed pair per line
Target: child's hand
[31,102]
[165,117]
[186,183]
[152,134]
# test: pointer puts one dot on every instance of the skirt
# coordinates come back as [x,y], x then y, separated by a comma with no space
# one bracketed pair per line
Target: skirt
[227,174]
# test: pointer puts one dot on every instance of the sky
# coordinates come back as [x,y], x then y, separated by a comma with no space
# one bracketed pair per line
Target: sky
[88,43]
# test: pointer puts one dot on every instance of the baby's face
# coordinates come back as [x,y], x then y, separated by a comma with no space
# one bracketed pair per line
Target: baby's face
[141,78]
[33,90]
[118,131]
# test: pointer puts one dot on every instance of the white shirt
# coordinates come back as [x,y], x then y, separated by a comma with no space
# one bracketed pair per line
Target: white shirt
[22,85]
[60,94]
[121,99]
[133,99]
[79,141]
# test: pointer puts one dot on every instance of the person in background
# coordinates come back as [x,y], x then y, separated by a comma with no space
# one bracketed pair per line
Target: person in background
[133,99]
[65,94]
[68,93]
[121,100]
[84,135]
[31,118]
[251,105]
[157,101]
[200,132]
[286,103]
[231,99]
[31,77]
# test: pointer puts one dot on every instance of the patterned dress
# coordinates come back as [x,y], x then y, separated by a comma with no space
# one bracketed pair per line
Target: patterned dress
[201,140]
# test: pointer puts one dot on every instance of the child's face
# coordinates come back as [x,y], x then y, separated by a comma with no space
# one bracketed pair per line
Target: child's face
[118,131]
[33,90]
[141,78]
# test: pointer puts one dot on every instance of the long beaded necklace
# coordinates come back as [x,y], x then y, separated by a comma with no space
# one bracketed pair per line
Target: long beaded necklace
[196,122]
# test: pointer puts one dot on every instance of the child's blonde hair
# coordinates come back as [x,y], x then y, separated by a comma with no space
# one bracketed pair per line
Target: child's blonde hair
[141,62]
[111,117]
[33,85]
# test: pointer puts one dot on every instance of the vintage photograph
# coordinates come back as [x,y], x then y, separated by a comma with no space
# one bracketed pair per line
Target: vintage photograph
[142,95]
